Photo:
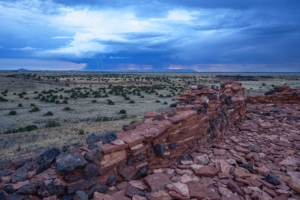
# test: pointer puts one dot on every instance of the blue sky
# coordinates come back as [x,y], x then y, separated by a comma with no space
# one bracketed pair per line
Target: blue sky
[208,36]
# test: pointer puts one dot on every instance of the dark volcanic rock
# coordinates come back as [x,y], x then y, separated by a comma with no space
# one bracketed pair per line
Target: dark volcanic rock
[51,187]
[173,105]
[45,159]
[28,189]
[93,155]
[83,185]
[5,173]
[253,148]
[142,172]
[68,163]
[9,189]
[185,158]
[159,150]
[91,139]
[108,137]
[130,161]
[68,197]
[128,127]
[158,117]
[271,178]
[97,188]
[2,195]
[21,173]
[111,179]
[172,146]
[20,162]
[16,196]
[81,195]
[90,170]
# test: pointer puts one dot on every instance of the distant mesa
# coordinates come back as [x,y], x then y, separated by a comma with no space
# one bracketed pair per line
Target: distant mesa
[22,69]
[167,70]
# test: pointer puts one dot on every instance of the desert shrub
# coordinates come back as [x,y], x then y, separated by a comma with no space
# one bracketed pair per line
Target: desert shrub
[19,148]
[161,95]
[32,104]
[110,102]
[157,101]
[165,102]
[127,98]
[142,96]
[52,123]
[12,112]
[123,117]
[36,92]
[57,102]
[67,108]
[131,101]
[65,101]
[35,109]
[2,99]
[103,119]
[122,111]
[94,101]
[49,113]
[81,132]
[22,129]
[132,122]
[20,105]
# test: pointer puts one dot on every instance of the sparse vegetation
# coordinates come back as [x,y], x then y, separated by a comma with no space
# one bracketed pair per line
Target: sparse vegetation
[49,113]
[52,123]
[81,132]
[122,111]
[35,109]
[12,112]
[22,129]
[67,108]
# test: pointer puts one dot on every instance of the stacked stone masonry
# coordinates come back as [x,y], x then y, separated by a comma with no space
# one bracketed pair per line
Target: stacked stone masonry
[208,145]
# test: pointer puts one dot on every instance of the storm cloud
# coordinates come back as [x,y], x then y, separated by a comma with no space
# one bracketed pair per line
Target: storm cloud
[213,35]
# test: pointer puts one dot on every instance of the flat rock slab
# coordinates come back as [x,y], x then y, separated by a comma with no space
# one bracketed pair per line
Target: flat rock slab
[208,171]
[157,181]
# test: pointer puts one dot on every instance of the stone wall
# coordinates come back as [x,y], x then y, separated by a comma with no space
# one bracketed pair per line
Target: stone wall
[279,95]
[201,116]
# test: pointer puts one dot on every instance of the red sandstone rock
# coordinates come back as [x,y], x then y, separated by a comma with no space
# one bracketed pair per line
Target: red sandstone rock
[157,181]
[100,196]
[208,171]
[179,191]
[199,191]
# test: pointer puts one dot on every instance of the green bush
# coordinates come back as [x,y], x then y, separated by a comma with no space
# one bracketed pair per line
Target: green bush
[32,104]
[2,99]
[35,109]
[49,113]
[22,129]
[20,105]
[81,132]
[94,101]
[123,117]
[110,102]
[157,101]
[103,119]
[67,108]
[131,101]
[65,101]
[132,122]
[122,111]
[165,102]
[12,112]
[52,123]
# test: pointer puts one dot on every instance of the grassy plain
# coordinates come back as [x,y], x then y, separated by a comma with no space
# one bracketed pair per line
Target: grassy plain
[64,107]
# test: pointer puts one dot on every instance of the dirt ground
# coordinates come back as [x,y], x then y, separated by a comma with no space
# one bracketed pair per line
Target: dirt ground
[83,114]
